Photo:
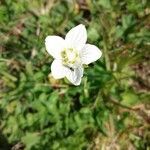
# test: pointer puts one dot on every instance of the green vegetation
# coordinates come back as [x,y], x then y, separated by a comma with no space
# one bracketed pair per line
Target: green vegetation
[109,110]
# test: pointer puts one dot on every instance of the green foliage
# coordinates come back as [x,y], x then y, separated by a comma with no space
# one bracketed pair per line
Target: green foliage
[109,110]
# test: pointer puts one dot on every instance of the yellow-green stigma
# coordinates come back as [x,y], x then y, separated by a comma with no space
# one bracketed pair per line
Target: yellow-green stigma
[69,56]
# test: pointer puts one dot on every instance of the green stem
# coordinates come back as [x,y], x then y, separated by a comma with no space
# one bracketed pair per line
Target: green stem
[107,60]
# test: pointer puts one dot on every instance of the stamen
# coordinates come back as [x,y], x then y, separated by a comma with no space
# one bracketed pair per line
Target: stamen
[70,57]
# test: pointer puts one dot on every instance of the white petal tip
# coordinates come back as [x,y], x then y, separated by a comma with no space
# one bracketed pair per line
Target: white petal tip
[77,83]
[47,38]
[100,53]
[90,53]
[81,26]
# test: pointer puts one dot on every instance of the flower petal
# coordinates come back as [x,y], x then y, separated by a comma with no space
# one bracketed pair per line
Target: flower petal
[54,45]
[76,37]
[74,76]
[57,69]
[90,53]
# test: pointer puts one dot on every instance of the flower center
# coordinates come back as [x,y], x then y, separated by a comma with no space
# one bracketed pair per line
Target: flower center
[70,57]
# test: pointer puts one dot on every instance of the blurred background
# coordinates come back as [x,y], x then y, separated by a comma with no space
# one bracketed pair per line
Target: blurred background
[110,110]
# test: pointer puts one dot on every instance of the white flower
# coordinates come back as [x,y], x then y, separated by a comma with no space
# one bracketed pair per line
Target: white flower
[71,53]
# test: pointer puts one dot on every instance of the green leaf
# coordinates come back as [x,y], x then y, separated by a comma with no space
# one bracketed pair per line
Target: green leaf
[129,98]
[105,3]
[127,21]
[30,140]
[93,34]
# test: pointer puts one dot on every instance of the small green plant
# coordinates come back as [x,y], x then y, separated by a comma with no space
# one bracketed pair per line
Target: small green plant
[108,110]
